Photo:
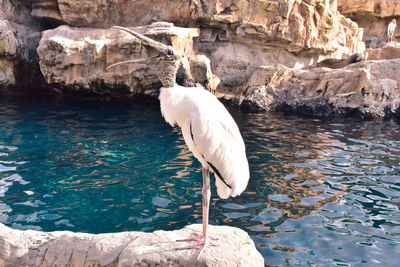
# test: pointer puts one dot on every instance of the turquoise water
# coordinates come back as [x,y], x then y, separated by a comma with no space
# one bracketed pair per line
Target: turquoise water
[323,192]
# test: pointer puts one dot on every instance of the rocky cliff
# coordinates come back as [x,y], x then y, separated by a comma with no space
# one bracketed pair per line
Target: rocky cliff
[223,43]
[373,16]
[236,36]
[368,89]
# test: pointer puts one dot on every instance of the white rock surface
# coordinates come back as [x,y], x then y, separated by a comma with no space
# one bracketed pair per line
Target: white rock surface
[64,248]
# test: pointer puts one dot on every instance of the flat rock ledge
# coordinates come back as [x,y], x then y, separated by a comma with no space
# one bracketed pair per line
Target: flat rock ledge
[369,89]
[65,248]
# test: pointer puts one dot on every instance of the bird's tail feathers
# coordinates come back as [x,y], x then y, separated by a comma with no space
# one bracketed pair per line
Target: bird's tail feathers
[225,191]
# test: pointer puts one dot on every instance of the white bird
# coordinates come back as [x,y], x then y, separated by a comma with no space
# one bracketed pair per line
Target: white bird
[391,29]
[208,129]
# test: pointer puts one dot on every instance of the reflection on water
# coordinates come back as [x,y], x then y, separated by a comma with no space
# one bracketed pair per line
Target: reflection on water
[322,192]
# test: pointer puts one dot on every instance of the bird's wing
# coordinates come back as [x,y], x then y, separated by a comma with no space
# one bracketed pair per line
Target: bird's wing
[216,142]
[391,28]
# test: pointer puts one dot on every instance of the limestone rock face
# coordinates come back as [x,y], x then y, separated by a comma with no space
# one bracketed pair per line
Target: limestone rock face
[373,16]
[19,37]
[104,14]
[79,57]
[302,24]
[376,8]
[46,9]
[16,43]
[237,35]
[369,88]
[64,248]
[9,45]
[17,11]
[388,51]
[240,36]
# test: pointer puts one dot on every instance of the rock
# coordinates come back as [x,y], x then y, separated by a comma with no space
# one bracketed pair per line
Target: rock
[249,106]
[373,16]
[388,51]
[19,37]
[369,88]
[78,58]
[101,14]
[371,113]
[336,63]
[260,52]
[298,25]
[64,248]
[17,11]
[377,8]
[237,36]
[17,44]
[200,68]
[9,45]
[47,9]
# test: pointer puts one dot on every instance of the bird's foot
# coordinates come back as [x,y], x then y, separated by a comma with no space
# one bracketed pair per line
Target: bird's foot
[197,237]
[201,243]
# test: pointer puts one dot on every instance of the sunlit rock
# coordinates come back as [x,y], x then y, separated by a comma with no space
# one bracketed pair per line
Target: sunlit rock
[373,16]
[160,248]
[237,36]
[79,57]
[377,8]
[388,51]
[368,88]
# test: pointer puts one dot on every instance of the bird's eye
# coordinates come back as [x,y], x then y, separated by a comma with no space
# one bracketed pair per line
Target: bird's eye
[170,53]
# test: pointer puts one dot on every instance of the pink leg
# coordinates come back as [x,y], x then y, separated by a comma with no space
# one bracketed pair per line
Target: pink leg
[202,240]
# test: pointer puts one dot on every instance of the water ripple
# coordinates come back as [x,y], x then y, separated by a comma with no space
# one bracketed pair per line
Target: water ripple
[322,192]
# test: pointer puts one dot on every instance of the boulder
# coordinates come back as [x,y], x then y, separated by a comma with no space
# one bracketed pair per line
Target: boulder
[79,57]
[388,51]
[18,11]
[9,45]
[19,37]
[17,46]
[160,248]
[370,89]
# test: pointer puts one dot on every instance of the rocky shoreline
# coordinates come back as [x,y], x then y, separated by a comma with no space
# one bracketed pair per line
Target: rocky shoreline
[263,55]
[160,248]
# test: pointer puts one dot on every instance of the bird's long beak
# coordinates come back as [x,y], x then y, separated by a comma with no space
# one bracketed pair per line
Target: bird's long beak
[148,41]
[160,47]
[135,61]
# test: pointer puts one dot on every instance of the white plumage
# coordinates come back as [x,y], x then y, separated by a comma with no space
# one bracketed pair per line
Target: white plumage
[210,133]
[207,127]
[391,29]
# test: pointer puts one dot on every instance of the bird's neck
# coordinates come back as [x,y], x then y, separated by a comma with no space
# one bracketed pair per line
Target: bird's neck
[172,105]
[168,73]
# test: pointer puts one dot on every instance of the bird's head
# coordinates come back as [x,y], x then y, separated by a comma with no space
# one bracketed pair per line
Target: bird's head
[167,58]
[394,20]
